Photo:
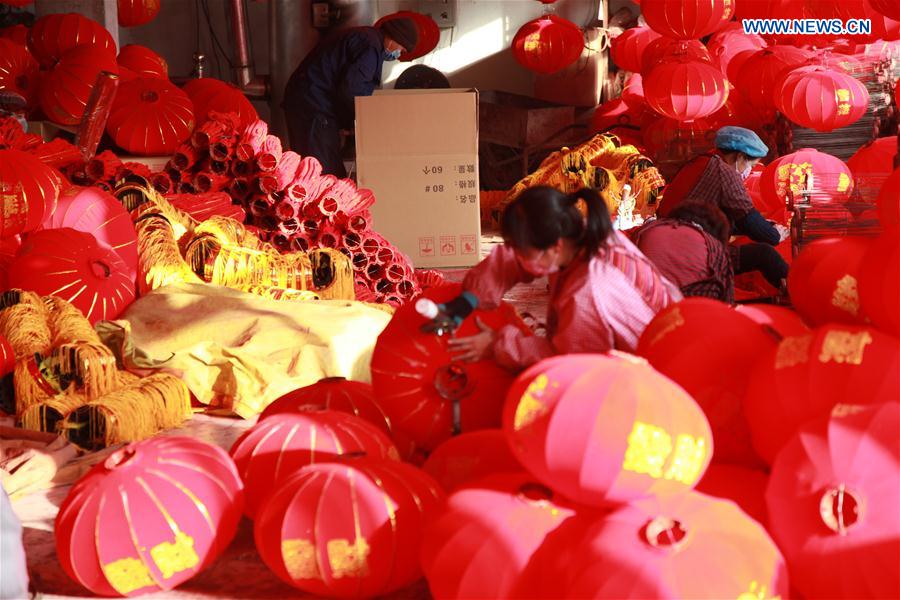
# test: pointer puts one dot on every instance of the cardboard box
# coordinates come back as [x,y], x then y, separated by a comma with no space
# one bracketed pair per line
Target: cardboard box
[417,150]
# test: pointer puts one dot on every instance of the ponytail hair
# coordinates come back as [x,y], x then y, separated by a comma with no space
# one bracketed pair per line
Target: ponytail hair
[541,215]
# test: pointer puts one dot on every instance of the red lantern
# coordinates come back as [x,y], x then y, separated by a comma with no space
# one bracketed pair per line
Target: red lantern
[888,203]
[72,265]
[685,89]
[216,95]
[662,49]
[367,541]
[684,19]
[150,517]
[137,12]
[708,348]
[831,179]
[783,321]
[7,357]
[643,550]
[627,49]
[469,457]
[879,283]
[16,33]
[726,45]
[100,214]
[66,89]
[29,191]
[547,44]
[150,116]
[808,375]
[832,500]
[633,92]
[613,113]
[489,540]
[875,159]
[758,75]
[54,35]
[768,206]
[18,70]
[604,429]
[823,281]
[745,487]
[429,33]
[418,383]
[143,61]
[841,99]
[275,448]
[888,8]
[333,393]
[663,134]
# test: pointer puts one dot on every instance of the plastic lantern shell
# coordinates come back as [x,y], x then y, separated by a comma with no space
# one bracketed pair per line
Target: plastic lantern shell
[137,12]
[149,517]
[143,61]
[55,34]
[150,116]
[708,348]
[366,544]
[65,90]
[489,539]
[745,487]
[547,44]
[627,49]
[19,71]
[429,33]
[875,159]
[879,283]
[470,456]
[684,89]
[275,448]
[606,429]
[832,179]
[832,500]
[74,266]
[807,375]
[209,94]
[643,550]
[100,214]
[416,380]
[759,73]
[684,19]
[841,98]
[29,189]
[783,321]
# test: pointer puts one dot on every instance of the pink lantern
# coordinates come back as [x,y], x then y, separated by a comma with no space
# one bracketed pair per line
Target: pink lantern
[685,89]
[841,99]
[684,19]
[627,49]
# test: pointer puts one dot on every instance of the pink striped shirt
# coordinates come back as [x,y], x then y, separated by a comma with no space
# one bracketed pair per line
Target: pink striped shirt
[596,305]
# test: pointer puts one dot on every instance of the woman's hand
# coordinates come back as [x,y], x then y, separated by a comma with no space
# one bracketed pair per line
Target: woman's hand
[475,347]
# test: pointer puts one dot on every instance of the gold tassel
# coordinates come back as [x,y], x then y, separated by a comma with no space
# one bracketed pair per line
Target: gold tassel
[68,324]
[159,259]
[281,293]
[49,414]
[23,322]
[332,274]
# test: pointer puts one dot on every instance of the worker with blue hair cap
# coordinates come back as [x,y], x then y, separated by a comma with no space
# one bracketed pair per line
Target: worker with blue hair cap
[717,177]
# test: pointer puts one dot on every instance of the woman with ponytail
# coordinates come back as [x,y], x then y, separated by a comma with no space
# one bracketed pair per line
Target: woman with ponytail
[603,291]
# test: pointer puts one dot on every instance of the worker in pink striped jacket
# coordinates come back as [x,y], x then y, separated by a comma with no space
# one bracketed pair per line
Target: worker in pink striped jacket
[603,291]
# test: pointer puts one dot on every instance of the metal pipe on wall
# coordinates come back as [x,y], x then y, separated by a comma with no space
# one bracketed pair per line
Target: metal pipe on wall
[291,37]
[252,86]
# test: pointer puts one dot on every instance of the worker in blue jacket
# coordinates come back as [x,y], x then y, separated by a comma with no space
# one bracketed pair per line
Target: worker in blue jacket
[319,97]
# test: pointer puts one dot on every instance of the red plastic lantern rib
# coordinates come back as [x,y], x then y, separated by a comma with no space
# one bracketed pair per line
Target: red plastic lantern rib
[19,71]
[216,95]
[603,429]
[685,89]
[628,48]
[54,35]
[149,517]
[137,12]
[66,89]
[832,501]
[418,383]
[548,44]
[838,99]
[150,116]
[29,190]
[470,456]
[684,19]
[100,214]
[365,544]
[72,265]
[429,33]
[143,61]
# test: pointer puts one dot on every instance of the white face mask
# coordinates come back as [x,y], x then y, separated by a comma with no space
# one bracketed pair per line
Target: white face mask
[746,172]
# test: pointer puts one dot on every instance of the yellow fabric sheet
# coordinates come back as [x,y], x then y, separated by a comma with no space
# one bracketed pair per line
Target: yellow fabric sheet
[239,352]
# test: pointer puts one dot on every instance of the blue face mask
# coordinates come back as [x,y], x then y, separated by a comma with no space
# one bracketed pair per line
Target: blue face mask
[394,55]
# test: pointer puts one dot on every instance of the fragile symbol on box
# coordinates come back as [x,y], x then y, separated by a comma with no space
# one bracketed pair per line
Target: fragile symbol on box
[468,244]
[448,245]
[426,246]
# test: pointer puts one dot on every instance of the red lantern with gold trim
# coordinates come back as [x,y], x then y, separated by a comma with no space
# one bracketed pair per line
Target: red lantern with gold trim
[29,190]
[55,34]
[209,94]
[888,203]
[150,517]
[662,49]
[627,49]
[760,72]
[727,44]
[807,375]
[547,44]
[137,12]
[150,116]
[633,92]
[366,544]
[783,321]
[143,61]
[19,71]
[841,98]
[685,89]
[684,19]
[470,456]
[831,179]
[604,429]
[879,283]
[644,549]
[875,159]
[888,8]
[275,448]
[663,134]
[65,90]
